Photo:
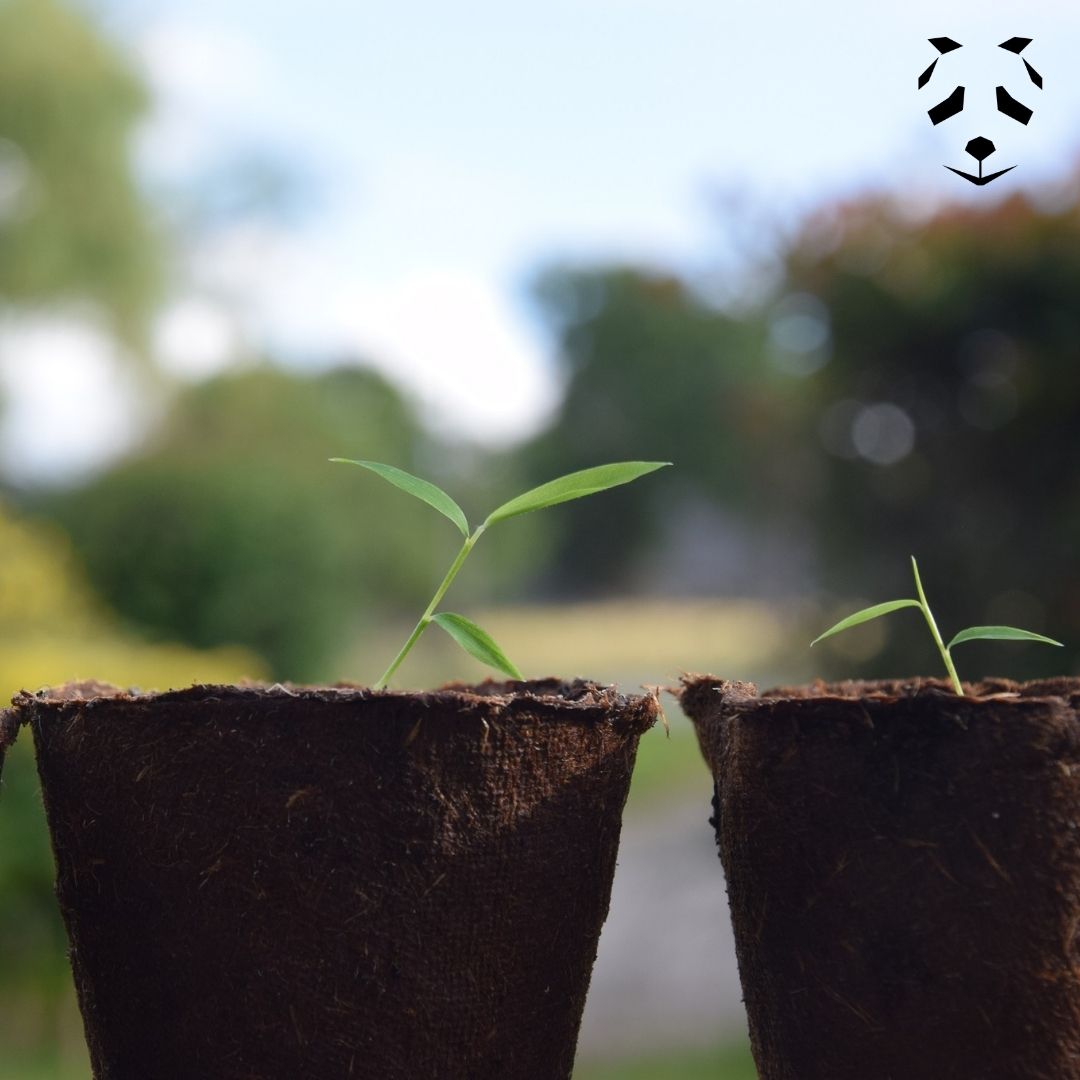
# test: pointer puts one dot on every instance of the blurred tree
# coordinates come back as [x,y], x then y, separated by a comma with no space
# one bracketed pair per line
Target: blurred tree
[72,224]
[233,526]
[947,420]
[653,371]
[908,387]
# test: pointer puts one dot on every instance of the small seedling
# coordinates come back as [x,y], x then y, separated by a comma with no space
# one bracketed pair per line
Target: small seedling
[972,633]
[468,635]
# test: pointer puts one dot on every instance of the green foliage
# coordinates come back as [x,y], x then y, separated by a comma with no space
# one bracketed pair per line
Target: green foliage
[649,368]
[963,324]
[421,489]
[576,485]
[215,534]
[999,633]
[476,642]
[468,635]
[728,1062]
[32,939]
[972,633]
[967,322]
[75,227]
[865,615]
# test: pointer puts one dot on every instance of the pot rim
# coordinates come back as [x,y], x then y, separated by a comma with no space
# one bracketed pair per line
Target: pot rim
[989,692]
[571,693]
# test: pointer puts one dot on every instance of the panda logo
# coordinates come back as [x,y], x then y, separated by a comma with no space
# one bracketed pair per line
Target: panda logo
[1014,110]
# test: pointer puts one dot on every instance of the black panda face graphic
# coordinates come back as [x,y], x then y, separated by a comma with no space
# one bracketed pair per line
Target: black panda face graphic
[1013,110]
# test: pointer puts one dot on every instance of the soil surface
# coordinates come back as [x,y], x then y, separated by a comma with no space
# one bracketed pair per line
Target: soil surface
[268,883]
[903,870]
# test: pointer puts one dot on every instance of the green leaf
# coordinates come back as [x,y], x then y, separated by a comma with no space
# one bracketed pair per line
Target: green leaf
[421,489]
[865,616]
[476,642]
[918,584]
[999,633]
[575,485]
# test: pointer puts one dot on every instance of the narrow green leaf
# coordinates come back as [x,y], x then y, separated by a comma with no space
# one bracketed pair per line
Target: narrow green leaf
[999,633]
[575,485]
[476,642]
[865,616]
[918,584]
[421,489]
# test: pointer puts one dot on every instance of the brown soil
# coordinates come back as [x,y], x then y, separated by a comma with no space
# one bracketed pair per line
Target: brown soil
[269,884]
[903,869]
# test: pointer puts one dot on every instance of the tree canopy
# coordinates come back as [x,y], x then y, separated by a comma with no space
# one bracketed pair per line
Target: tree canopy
[73,224]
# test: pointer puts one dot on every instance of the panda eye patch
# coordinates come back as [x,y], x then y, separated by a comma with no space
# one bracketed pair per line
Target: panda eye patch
[1012,108]
[953,104]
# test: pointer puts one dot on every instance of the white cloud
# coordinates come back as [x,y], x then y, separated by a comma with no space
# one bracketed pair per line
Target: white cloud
[450,338]
[68,401]
[199,61]
[446,334]
[195,338]
[209,85]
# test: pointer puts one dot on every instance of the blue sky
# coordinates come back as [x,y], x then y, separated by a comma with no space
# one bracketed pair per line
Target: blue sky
[443,151]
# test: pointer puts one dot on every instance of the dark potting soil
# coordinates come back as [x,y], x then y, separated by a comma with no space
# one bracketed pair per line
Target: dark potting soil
[282,883]
[903,870]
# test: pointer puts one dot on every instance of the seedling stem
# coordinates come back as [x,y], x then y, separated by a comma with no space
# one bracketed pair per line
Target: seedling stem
[425,619]
[950,667]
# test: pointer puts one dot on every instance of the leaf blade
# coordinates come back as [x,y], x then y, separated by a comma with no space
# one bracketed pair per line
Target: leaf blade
[865,615]
[575,485]
[420,489]
[476,642]
[1000,633]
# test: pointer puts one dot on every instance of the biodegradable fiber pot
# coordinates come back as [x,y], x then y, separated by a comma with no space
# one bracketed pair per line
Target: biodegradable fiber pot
[903,870]
[266,884]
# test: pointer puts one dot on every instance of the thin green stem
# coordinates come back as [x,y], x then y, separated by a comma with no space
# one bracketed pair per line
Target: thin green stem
[425,619]
[945,654]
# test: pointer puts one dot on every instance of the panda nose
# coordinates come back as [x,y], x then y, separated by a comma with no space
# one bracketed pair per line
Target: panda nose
[980,148]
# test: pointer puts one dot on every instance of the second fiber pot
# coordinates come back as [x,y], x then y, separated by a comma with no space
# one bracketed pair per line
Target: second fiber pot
[903,870]
[273,883]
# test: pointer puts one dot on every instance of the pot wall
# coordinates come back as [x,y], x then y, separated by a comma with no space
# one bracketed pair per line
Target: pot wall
[903,870]
[335,883]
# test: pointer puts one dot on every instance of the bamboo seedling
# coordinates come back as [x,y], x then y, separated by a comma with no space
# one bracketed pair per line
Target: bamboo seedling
[474,640]
[972,633]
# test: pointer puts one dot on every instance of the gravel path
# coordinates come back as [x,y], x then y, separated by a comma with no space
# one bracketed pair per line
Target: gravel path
[665,976]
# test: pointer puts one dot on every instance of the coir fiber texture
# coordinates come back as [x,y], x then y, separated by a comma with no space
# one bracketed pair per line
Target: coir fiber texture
[9,727]
[903,869]
[280,883]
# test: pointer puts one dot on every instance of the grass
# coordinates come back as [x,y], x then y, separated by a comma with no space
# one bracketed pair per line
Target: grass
[42,1068]
[44,1043]
[668,763]
[722,1063]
